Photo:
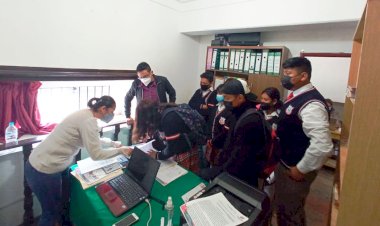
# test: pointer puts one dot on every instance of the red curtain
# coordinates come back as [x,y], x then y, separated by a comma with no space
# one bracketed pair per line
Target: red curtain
[18,103]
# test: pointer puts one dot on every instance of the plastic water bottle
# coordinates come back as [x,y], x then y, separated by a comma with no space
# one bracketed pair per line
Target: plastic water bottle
[11,133]
[170,209]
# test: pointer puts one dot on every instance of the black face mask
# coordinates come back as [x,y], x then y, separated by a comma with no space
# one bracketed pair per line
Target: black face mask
[228,105]
[286,82]
[205,87]
[265,106]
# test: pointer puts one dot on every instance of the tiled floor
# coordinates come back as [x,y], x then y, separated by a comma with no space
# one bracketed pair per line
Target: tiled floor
[318,201]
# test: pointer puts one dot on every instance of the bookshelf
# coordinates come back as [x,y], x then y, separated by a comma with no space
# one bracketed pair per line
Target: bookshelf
[357,200]
[260,66]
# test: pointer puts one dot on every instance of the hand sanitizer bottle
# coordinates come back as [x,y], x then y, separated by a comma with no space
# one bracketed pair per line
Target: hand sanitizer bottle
[170,209]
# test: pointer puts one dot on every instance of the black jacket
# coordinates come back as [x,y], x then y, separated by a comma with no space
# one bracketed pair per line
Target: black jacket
[163,87]
[244,144]
[197,100]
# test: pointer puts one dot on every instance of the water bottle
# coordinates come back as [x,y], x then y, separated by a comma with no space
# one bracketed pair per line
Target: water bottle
[170,209]
[11,133]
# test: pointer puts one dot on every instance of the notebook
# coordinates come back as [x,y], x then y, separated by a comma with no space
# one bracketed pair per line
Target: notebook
[129,189]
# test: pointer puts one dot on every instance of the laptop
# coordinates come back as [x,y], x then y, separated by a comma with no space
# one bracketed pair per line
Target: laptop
[123,192]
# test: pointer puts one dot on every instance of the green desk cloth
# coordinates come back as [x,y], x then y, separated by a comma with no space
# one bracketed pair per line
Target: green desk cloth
[87,208]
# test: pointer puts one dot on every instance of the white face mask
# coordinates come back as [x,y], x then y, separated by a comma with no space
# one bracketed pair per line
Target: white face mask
[145,81]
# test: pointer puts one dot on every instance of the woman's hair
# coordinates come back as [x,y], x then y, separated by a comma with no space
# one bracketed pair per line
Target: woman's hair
[273,93]
[148,118]
[96,103]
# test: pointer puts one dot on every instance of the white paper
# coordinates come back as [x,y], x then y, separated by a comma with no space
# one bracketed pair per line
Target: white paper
[145,147]
[214,210]
[86,165]
[169,171]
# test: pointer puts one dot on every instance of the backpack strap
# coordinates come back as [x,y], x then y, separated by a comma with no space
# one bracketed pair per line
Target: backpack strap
[174,109]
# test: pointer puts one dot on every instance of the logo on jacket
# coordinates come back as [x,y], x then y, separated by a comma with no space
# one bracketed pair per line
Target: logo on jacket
[289,110]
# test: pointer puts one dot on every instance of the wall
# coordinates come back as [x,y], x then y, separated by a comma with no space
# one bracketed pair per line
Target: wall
[268,14]
[97,34]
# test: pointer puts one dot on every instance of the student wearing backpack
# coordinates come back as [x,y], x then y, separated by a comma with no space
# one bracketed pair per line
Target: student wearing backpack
[167,124]
[246,140]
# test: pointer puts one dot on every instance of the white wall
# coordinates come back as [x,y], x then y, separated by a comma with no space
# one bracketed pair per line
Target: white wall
[265,14]
[114,34]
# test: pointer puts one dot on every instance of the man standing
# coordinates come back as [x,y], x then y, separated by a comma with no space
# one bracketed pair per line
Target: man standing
[148,86]
[303,129]
[203,101]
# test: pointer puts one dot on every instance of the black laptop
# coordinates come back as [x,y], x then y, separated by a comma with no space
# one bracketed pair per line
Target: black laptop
[129,189]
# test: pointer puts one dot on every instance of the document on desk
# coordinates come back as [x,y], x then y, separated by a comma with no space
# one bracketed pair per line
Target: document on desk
[86,165]
[169,171]
[214,210]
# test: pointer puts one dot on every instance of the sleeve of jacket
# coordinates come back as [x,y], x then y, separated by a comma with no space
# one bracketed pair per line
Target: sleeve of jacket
[170,90]
[193,103]
[128,99]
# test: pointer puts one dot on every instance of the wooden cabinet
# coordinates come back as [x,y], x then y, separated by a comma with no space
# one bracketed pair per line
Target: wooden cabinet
[260,66]
[358,175]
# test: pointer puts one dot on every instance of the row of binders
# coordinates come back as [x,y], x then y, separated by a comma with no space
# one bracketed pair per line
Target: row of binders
[252,61]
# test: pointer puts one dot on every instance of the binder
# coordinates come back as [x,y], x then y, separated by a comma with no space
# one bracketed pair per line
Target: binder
[225,66]
[214,53]
[264,61]
[232,58]
[252,62]
[270,63]
[221,60]
[258,62]
[277,63]
[237,58]
[241,60]
[247,60]
[217,59]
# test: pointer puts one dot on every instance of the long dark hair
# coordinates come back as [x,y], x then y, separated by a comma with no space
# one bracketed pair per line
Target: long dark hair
[273,93]
[96,103]
[148,118]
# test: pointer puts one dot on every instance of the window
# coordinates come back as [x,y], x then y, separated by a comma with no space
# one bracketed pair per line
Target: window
[56,99]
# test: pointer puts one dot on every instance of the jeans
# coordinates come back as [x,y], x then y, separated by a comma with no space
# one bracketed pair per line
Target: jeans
[48,189]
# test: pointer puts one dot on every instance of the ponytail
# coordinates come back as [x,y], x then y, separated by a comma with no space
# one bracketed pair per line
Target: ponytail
[96,103]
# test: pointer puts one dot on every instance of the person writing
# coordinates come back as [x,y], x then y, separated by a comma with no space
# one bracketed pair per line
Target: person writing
[148,86]
[50,159]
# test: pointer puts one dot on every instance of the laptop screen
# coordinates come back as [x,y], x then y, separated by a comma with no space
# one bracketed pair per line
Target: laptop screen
[143,168]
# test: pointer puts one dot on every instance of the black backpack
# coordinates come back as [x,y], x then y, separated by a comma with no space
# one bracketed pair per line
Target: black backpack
[267,158]
[193,120]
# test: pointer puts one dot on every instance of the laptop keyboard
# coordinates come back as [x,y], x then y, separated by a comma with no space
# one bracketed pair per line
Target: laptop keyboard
[129,191]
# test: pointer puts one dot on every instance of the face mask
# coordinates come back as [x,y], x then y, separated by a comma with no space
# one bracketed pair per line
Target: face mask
[145,81]
[107,118]
[286,82]
[205,87]
[228,105]
[265,106]
[219,98]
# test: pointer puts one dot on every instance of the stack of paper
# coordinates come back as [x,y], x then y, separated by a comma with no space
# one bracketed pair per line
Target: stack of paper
[214,210]
[169,171]
[90,172]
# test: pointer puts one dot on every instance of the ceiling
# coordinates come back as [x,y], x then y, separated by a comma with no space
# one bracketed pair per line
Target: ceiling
[191,5]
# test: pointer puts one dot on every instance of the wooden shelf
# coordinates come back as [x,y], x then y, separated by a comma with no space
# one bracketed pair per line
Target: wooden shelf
[256,81]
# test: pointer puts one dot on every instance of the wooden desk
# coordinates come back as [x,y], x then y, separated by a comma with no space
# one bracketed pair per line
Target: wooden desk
[27,146]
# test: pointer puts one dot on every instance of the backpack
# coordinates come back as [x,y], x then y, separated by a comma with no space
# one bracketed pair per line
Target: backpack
[193,120]
[267,158]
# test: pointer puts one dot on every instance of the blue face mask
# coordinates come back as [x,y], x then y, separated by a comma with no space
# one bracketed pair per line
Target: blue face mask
[219,98]
[107,118]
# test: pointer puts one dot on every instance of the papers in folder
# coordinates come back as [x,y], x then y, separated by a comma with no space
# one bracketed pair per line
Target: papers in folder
[145,147]
[214,210]
[169,171]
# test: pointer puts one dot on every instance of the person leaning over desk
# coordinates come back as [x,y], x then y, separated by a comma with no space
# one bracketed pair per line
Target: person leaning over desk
[47,162]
